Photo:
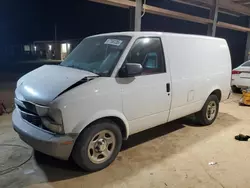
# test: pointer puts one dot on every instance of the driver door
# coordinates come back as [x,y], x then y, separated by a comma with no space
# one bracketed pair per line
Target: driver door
[146,99]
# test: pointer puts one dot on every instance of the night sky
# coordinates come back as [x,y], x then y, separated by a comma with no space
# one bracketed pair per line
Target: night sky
[24,21]
[28,20]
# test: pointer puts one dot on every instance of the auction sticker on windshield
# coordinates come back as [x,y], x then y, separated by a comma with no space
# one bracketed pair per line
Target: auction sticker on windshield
[115,42]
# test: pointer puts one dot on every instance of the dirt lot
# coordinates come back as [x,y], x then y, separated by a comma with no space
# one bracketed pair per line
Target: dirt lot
[172,155]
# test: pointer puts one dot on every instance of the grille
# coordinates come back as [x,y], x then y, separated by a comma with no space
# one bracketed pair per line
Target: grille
[25,109]
[35,120]
[30,107]
[26,106]
[28,113]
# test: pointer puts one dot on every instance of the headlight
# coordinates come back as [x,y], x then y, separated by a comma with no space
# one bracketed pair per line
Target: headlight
[52,126]
[53,121]
[41,110]
[56,115]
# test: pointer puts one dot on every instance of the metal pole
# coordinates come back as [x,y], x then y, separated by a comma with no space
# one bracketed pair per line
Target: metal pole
[213,14]
[247,50]
[215,18]
[55,33]
[131,18]
[138,10]
[209,28]
[57,46]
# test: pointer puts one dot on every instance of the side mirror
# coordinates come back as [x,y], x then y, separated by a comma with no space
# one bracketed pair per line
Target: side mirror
[130,70]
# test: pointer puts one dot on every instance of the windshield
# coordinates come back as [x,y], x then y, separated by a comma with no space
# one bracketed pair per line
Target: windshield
[97,54]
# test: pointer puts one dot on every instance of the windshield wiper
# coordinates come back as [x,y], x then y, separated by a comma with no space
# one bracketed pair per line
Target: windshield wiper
[88,78]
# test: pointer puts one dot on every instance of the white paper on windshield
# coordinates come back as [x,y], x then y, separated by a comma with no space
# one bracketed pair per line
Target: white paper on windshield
[114,42]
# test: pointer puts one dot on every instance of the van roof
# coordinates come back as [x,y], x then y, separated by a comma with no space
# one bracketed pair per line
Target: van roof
[150,33]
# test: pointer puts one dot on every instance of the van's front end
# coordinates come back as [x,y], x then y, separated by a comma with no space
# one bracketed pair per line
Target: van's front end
[41,133]
[53,101]
[38,117]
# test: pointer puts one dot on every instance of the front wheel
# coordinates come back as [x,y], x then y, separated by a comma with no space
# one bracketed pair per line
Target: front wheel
[209,112]
[97,146]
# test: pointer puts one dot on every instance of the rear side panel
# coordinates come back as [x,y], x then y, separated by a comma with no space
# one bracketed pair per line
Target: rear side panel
[199,65]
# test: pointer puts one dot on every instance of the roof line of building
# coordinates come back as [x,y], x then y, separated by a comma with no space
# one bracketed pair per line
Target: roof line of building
[229,5]
[53,41]
[172,14]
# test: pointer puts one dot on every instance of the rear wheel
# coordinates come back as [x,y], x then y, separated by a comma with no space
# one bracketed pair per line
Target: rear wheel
[98,146]
[209,112]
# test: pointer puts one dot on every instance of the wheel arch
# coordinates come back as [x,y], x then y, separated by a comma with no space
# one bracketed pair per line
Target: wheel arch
[115,116]
[217,93]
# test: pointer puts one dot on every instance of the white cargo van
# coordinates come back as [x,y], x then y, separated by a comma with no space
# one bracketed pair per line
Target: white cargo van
[115,85]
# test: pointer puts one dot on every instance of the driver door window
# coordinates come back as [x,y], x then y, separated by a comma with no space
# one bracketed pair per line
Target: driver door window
[147,52]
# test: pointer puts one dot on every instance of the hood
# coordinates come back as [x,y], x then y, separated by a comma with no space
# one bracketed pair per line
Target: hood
[44,84]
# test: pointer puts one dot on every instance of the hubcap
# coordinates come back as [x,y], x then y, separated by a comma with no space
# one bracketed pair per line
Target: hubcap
[211,110]
[101,146]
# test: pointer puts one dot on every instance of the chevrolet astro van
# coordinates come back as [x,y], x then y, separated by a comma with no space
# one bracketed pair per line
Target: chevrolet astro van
[114,85]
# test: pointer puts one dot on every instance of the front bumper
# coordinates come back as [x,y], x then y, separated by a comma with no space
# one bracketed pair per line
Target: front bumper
[58,146]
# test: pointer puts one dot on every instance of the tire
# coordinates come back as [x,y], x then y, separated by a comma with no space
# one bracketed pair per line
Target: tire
[235,89]
[203,117]
[91,143]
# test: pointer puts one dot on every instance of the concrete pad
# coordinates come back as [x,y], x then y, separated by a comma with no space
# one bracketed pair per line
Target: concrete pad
[171,155]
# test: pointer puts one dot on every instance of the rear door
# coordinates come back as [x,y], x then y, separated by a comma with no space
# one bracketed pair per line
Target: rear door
[146,97]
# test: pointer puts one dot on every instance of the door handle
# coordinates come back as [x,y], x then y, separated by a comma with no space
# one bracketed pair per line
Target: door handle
[168,87]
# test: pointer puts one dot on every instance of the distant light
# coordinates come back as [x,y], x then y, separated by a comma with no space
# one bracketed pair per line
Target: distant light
[146,40]
[64,48]
[35,48]
[26,48]
[50,47]
[68,46]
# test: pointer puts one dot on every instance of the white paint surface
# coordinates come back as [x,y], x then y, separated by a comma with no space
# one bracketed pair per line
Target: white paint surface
[195,67]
